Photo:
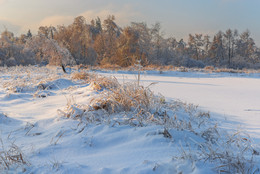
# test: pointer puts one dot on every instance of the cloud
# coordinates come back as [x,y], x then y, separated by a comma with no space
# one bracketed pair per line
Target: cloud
[123,15]
[56,20]
[47,21]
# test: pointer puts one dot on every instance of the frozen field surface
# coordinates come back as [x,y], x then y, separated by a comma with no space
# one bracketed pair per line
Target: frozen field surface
[49,124]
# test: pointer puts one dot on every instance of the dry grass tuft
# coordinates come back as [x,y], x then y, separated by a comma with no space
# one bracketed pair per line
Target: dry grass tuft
[126,97]
[80,76]
[234,154]
[209,68]
[229,70]
[110,66]
[151,67]
[100,82]
[12,157]
[97,82]
[137,102]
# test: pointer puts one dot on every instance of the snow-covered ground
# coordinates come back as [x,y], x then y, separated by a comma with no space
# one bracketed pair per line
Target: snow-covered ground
[234,99]
[34,103]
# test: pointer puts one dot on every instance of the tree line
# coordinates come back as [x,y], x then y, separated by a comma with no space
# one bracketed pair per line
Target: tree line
[105,42]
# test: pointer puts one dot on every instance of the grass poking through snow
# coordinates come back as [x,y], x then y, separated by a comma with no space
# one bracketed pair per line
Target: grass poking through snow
[131,104]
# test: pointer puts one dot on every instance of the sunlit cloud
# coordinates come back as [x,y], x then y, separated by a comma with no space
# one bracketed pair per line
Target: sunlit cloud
[123,15]
[56,20]
[48,21]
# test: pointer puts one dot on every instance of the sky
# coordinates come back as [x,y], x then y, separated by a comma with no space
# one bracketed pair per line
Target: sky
[178,18]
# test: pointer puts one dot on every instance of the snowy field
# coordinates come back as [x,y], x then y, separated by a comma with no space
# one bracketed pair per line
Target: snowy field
[234,99]
[51,122]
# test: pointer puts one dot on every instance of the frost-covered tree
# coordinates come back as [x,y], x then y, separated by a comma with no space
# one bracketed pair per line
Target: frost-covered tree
[206,43]
[246,46]
[128,51]
[111,33]
[157,41]
[12,50]
[216,51]
[77,38]
[106,42]
[47,31]
[229,44]
[195,44]
[144,41]
[48,51]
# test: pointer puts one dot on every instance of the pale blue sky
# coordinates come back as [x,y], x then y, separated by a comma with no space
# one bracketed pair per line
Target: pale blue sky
[178,17]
